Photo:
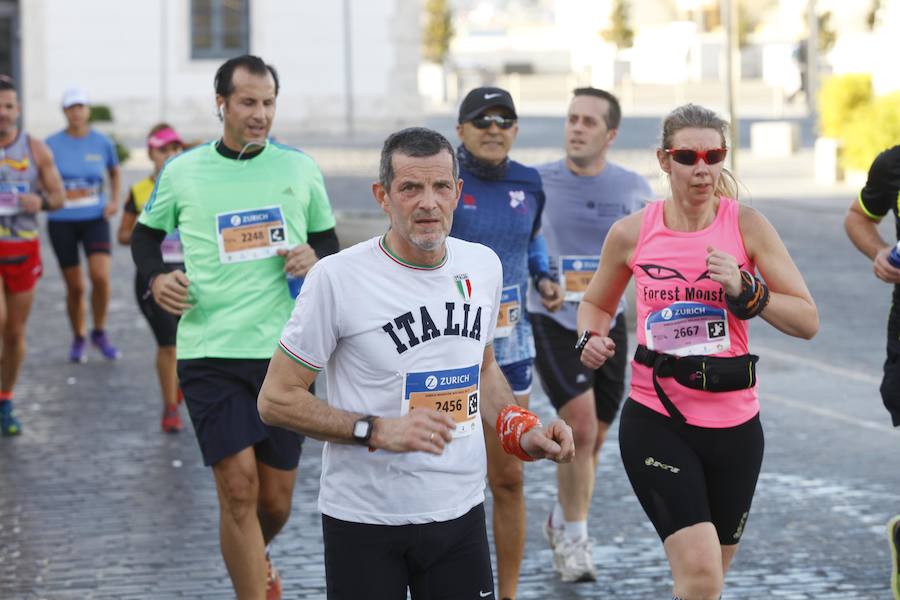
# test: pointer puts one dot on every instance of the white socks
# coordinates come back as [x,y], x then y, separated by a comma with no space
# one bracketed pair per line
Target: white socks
[576,531]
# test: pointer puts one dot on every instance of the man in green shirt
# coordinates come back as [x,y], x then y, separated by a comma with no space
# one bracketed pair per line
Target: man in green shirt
[251,214]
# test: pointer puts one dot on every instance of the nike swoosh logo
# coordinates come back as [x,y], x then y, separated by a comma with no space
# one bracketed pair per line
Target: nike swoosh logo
[486,594]
[491,97]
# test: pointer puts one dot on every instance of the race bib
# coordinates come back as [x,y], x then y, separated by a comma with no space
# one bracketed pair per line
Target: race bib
[510,311]
[9,196]
[251,234]
[453,391]
[575,273]
[685,328]
[81,193]
[172,252]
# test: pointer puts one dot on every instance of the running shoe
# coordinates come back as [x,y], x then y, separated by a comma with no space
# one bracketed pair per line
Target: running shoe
[171,420]
[9,424]
[101,342]
[575,561]
[76,352]
[553,535]
[273,581]
[893,531]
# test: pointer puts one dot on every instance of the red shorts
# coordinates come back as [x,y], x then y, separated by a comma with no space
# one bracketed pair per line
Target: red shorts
[20,265]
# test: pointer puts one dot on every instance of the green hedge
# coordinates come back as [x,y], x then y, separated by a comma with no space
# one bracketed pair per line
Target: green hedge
[100,113]
[839,97]
[121,150]
[872,128]
[864,125]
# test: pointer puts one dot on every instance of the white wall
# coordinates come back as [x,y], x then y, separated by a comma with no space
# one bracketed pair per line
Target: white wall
[120,52]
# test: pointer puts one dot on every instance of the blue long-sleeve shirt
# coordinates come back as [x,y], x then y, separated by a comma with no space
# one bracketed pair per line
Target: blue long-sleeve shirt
[505,216]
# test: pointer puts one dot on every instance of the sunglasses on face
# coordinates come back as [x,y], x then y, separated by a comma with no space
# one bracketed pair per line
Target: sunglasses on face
[684,156]
[485,122]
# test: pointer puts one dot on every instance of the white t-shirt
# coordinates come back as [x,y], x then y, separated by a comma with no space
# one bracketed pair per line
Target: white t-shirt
[390,335]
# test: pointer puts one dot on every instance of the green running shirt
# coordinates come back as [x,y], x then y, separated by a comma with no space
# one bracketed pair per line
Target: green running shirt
[232,214]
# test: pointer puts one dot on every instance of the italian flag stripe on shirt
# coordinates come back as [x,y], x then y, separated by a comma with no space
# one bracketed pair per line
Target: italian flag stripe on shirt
[295,357]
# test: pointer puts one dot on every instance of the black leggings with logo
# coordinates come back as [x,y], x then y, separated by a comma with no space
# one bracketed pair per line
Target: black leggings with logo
[684,475]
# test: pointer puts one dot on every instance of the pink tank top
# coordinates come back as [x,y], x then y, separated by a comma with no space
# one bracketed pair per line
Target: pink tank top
[681,311]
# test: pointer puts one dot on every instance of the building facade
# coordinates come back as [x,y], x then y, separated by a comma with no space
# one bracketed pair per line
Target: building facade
[344,65]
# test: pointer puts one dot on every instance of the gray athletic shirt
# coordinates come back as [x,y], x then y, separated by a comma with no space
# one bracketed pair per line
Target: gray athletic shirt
[577,216]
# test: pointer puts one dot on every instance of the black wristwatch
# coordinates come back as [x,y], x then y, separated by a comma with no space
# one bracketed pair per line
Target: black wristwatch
[363,428]
[583,340]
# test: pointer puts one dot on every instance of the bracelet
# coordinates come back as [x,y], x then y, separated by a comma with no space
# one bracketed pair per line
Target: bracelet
[512,423]
[45,204]
[583,340]
[754,297]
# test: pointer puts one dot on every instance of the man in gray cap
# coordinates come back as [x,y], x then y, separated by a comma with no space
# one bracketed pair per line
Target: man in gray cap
[501,208]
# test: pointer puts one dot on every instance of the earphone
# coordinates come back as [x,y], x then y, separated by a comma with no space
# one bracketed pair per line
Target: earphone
[221,113]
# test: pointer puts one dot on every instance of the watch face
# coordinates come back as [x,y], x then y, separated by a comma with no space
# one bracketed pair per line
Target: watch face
[361,429]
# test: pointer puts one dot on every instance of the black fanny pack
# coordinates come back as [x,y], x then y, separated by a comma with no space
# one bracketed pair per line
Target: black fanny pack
[707,373]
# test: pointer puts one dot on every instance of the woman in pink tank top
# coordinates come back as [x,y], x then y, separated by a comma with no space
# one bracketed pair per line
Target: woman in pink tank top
[703,265]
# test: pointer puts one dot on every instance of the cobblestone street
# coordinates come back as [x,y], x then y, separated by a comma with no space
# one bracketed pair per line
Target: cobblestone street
[95,502]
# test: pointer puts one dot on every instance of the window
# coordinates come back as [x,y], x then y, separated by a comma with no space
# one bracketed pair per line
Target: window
[219,28]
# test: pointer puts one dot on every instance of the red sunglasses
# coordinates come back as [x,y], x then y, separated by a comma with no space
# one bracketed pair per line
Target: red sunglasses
[688,157]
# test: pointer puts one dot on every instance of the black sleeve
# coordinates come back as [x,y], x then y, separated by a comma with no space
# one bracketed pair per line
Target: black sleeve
[130,206]
[146,250]
[323,242]
[879,195]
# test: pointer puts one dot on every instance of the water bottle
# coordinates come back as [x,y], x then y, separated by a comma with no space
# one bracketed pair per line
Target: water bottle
[294,285]
[894,256]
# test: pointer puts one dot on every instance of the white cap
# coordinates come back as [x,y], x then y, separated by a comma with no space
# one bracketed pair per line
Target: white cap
[73,96]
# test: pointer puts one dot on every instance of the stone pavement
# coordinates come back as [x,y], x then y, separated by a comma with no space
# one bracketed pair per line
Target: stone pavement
[96,503]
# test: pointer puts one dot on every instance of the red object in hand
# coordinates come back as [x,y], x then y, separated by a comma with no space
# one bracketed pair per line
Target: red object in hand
[512,423]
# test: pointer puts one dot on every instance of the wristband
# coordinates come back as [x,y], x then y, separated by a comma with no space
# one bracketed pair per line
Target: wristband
[754,297]
[512,423]
[583,340]
[45,204]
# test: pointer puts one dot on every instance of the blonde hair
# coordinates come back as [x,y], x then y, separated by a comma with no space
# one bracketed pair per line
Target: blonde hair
[693,116]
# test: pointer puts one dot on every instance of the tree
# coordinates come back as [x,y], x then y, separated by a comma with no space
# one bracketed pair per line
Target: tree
[827,36]
[619,32]
[872,15]
[438,31]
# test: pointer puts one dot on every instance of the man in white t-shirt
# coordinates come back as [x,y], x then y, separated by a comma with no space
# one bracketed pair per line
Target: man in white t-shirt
[405,324]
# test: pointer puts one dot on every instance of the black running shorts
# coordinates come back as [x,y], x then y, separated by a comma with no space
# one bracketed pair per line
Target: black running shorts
[220,394]
[65,236]
[890,383]
[684,475]
[563,377]
[445,560]
[164,324]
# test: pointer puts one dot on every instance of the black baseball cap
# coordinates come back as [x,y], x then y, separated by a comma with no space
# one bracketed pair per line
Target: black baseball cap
[480,99]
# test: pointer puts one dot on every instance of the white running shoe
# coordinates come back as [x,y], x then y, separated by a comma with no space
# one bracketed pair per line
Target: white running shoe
[553,535]
[574,560]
